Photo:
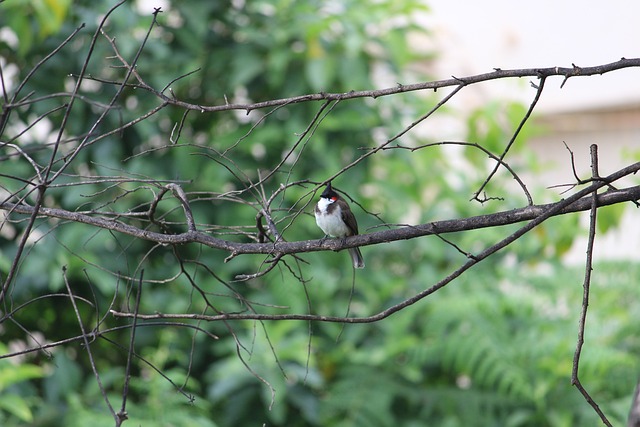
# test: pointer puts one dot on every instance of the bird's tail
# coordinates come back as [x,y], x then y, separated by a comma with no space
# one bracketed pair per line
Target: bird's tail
[356,257]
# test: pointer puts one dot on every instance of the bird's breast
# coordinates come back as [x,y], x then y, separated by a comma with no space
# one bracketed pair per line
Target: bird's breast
[329,219]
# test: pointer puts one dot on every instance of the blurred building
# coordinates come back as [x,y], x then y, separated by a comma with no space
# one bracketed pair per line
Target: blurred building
[603,110]
[615,129]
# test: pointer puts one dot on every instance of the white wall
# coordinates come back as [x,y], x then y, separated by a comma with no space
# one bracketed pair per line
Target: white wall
[475,37]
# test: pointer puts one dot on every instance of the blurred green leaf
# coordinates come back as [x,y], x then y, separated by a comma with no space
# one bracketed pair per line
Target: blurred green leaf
[609,217]
[29,18]
[17,406]
[11,373]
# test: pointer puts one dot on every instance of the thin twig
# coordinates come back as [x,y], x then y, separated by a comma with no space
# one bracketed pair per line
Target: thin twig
[585,294]
[86,141]
[182,197]
[67,114]
[498,159]
[87,345]
[540,88]
[122,414]
[21,245]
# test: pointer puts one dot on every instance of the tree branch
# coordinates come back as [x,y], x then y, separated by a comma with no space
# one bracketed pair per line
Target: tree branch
[575,380]
[575,203]
[566,72]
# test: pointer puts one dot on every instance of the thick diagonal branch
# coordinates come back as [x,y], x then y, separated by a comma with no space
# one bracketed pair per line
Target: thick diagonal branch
[575,203]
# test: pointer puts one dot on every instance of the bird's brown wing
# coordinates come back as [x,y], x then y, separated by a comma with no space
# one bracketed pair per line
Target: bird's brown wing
[348,217]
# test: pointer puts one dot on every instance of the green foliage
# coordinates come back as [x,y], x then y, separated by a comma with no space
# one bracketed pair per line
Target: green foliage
[609,217]
[16,407]
[34,20]
[500,348]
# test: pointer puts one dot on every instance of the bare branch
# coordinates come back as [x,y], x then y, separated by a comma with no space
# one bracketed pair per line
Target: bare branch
[122,414]
[542,215]
[180,195]
[571,204]
[87,345]
[499,160]
[585,295]
[566,72]
[532,106]
[67,115]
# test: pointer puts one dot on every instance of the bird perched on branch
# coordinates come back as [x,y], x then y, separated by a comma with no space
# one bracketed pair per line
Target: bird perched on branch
[335,218]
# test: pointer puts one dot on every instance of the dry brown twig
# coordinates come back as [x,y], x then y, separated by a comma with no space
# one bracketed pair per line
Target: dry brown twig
[575,380]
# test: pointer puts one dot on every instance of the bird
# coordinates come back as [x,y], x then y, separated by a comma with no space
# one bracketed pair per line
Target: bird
[335,218]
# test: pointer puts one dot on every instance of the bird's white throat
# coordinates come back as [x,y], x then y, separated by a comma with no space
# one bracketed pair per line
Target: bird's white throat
[323,204]
[331,223]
